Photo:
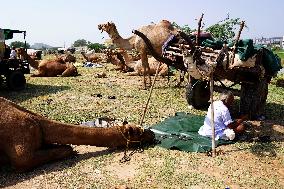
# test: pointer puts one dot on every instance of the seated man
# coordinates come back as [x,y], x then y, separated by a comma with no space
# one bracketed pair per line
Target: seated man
[13,54]
[225,127]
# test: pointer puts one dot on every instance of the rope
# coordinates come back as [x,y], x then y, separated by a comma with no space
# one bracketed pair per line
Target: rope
[128,141]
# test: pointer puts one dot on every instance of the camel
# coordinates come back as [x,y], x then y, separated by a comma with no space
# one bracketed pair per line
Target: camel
[116,57]
[157,33]
[153,64]
[29,140]
[67,58]
[50,68]
[92,57]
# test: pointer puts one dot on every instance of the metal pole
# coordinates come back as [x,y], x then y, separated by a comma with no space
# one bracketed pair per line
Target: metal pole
[212,116]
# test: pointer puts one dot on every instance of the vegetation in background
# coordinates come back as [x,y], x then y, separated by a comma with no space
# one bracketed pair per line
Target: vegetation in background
[280,53]
[96,46]
[222,30]
[80,43]
[19,44]
[186,29]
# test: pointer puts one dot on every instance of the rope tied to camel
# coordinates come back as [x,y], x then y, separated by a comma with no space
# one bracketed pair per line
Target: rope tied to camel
[128,141]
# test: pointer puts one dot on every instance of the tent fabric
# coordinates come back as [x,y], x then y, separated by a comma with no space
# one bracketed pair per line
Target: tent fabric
[181,132]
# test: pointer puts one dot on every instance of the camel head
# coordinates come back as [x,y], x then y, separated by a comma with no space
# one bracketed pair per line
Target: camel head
[21,51]
[72,70]
[136,134]
[109,27]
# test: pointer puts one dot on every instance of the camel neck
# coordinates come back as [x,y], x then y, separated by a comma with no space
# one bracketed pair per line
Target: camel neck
[85,56]
[127,44]
[31,61]
[61,133]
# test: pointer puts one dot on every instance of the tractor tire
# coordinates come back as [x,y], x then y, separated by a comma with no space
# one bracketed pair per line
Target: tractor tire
[198,94]
[253,98]
[16,81]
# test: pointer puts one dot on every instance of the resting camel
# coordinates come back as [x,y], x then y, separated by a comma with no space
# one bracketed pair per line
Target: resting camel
[157,33]
[29,140]
[67,58]
[50,68]
[153,64]
[92,57]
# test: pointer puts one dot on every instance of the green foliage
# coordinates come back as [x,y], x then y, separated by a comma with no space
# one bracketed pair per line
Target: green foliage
[186,29]
[80,43]
[96,46]
[19,44]
[224,30]
[280,53]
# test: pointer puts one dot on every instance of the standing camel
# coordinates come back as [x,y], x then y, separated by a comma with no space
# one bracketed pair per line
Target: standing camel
[158,34]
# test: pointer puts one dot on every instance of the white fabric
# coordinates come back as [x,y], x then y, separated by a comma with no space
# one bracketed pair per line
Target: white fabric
[13,54]
[222,119]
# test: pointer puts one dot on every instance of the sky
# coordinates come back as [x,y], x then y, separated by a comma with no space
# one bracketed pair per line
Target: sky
[61,22]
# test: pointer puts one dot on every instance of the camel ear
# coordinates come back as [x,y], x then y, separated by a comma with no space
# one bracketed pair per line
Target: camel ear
[130,131]
[124,122]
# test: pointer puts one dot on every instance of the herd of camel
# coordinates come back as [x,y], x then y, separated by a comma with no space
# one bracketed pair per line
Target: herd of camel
[29,140]
[140,64]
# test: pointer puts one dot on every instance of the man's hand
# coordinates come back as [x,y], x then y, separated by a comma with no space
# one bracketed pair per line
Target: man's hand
[244,117]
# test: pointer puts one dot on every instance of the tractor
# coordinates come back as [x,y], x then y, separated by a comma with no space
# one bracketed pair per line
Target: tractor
[12,70]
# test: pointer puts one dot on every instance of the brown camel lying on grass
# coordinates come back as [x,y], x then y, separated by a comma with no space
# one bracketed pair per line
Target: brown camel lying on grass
[29,140]
[67,57]
[50,68]
[92,57]
[153,64]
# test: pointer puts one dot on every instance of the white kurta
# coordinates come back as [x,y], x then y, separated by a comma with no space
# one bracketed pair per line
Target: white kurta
[222,119]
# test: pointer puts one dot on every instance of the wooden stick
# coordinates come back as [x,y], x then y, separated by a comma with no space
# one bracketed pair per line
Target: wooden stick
[212,116]
[148,100]
[237,39]
[198,29]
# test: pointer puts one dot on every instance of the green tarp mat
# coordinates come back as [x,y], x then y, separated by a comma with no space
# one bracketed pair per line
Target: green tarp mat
[181,132]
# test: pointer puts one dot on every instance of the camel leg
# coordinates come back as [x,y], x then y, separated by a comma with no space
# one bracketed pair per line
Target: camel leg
[68,72]
[181,79]
[146,68]
[38,74]
[27,160]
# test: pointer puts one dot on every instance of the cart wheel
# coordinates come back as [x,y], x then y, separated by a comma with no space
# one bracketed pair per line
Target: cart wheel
[198,94]
[16,81]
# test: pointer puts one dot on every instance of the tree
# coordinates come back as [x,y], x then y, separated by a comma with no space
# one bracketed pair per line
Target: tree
[96,46]
[186,29]
[225,29]
[222,30]
[19,44]
[80,43]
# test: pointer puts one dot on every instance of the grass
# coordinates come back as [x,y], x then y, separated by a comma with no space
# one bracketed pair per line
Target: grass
[280,53]
[74,100]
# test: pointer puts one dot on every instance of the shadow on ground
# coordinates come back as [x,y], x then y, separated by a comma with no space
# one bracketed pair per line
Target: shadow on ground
[9,178]
[263,134]
[30,92]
